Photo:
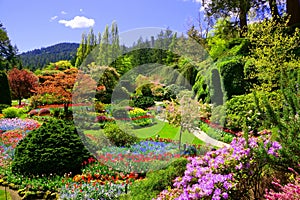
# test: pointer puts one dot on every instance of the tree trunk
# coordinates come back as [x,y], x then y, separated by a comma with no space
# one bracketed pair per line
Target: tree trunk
[244,8]
[293,10]
[66,106]
[20,101]
[274,9]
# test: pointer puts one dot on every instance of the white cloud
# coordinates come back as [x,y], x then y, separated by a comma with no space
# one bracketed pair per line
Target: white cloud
[53,18]
[63,12]
[78,22]
[81,10]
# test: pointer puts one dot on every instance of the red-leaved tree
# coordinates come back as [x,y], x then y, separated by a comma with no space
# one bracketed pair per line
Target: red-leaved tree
[22,83]
[61,86]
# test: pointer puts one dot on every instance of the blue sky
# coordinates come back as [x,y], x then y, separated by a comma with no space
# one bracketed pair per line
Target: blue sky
[34,24]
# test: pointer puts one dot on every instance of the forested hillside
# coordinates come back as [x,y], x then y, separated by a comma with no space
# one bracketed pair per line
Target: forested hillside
[39,58]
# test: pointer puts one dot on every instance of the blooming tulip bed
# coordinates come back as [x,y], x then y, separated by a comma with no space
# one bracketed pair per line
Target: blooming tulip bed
[141,157]
[16,123]
[11,132]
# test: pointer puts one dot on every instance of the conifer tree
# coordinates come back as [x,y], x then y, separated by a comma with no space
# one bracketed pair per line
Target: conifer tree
[104,57]
[5,95]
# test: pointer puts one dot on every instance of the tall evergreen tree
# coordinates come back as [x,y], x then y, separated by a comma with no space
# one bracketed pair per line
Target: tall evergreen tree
[8,53]
[81,51]
[115,43]
[104,56]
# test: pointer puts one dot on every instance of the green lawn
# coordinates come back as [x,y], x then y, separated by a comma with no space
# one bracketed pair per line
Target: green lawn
[163,129]
[2,195]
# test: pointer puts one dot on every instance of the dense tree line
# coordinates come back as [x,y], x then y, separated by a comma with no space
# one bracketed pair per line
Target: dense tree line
[39,58]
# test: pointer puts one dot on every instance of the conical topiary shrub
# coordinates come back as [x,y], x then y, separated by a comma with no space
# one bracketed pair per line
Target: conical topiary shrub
[54,148]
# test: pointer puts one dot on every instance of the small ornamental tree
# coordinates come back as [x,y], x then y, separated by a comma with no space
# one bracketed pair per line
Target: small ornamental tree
[183,113]
[22,83]
[61,86]
[54,148]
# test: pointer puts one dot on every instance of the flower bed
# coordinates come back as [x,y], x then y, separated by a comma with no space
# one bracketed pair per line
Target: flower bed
[16,123]
[226,173]
[142,157]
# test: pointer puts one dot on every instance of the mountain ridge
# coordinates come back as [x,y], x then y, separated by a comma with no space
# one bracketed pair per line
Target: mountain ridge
[39,58]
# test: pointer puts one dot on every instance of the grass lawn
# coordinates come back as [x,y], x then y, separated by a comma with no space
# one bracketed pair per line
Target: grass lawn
[163,129]
[2,195]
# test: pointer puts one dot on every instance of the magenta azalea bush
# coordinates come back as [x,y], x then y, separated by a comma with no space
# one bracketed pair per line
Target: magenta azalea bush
[290,191]
[229,172]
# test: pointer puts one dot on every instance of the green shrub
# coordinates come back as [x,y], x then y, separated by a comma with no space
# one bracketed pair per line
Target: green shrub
[157,181]
[119,134]
[144,102]
[53,148]
[241,110]
[99,107]
[3,106]
[12,112]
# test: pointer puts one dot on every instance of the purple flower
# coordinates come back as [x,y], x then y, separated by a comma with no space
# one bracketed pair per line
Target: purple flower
[225,195]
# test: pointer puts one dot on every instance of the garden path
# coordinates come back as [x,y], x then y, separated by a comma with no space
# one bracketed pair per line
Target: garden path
[203,136]
[209,140]
[13,194]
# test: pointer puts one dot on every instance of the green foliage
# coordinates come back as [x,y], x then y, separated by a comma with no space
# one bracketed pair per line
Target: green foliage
[286,122]
[59,65]
[54,148]
[144,102]
[12,112]
[232,72]
[156,181]
[39,58]
[218,38]
[8,53]
[241,110]
[5,95]
[273,47]
[119,134]
[3,106]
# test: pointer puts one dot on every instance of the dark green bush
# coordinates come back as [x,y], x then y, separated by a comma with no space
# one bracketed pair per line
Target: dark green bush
[53,148]
[119,134]
[157,181]
[5,95]
[232,72]
[144,102]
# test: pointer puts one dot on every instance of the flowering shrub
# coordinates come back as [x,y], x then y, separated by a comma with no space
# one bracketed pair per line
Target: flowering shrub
[229,172]
[16,123]
[291,191]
